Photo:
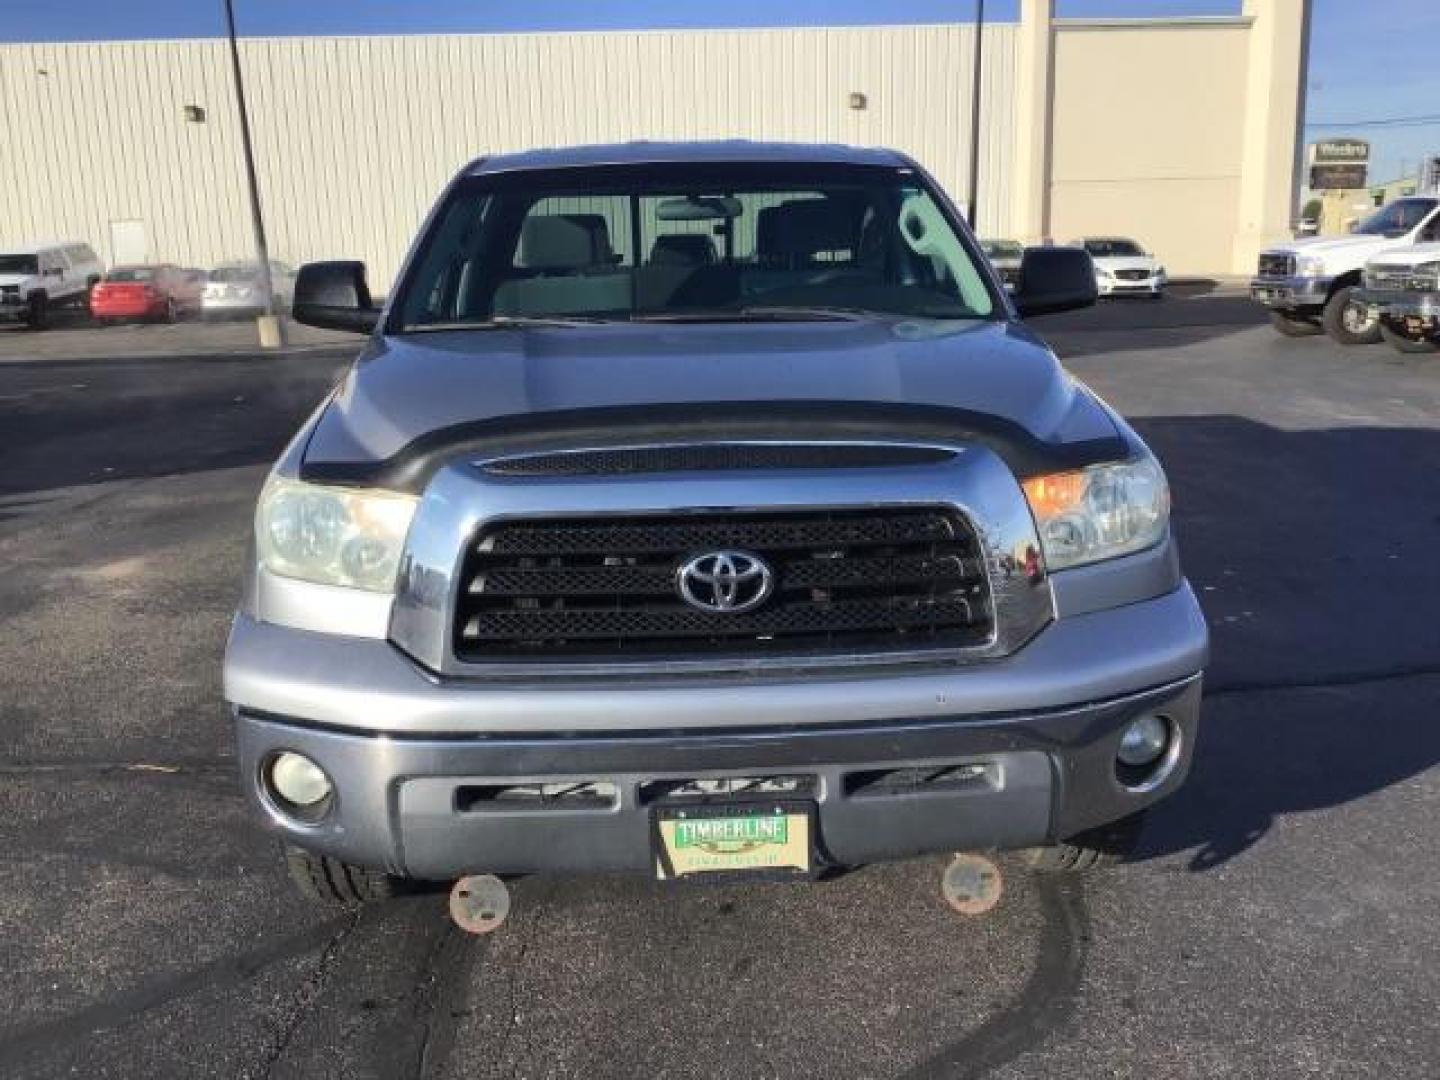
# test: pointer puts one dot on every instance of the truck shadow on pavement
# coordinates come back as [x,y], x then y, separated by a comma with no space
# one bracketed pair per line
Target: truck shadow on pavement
[1312,553]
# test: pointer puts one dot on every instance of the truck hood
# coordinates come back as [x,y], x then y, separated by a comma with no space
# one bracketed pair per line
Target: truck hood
[434,394]
[1409,256]
[1326,246]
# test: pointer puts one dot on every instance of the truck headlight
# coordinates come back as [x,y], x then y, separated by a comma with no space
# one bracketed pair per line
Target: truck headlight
[1309,266]
[1100,512]
[333,536]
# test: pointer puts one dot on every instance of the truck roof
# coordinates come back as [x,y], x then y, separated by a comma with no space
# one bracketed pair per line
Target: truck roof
[729,151]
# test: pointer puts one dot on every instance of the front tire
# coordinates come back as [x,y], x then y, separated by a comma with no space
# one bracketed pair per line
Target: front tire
[1400,343]
[1293,326]
[38,317]
[1349,322]
[329,881]
[1105,845]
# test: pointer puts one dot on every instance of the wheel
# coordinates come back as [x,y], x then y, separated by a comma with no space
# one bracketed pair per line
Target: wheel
[1401,343]
[330,881]
[1349,322]
[1103,846]
[38,317]
[1291,326]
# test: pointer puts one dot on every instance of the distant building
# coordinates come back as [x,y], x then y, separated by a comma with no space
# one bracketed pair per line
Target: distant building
[1390,190]
[1180,132]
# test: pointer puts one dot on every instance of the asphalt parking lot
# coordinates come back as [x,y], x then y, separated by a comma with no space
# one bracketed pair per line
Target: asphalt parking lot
[1282,919]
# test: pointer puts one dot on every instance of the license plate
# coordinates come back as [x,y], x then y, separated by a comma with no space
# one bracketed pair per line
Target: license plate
[733,838]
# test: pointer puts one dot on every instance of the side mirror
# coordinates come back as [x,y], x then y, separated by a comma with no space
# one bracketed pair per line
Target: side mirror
[334,296]
[1054,279]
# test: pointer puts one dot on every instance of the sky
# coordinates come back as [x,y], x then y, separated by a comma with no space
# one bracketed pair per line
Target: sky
[1372,60]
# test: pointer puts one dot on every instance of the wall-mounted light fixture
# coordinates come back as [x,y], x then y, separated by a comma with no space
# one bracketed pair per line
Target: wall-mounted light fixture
[858,100]
[195,114]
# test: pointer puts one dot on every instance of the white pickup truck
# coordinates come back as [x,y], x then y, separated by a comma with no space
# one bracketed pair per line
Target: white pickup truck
[1402,290]
[1314,285]
[37,278]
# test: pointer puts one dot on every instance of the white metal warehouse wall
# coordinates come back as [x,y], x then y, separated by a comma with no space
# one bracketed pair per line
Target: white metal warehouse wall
[355,136]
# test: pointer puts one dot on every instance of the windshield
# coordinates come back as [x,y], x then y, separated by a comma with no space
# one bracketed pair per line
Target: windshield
[1398,218]
[1101,249]
[131,273]
[692,243]
[19,264]
[1001,249]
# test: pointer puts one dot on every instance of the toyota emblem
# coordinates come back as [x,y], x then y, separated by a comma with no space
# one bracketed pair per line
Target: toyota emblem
[725,582]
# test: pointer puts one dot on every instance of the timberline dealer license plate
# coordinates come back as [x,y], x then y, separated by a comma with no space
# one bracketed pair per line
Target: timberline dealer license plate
[733,838]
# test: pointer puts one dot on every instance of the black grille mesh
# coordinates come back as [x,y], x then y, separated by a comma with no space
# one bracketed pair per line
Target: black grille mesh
[718,456]
[605,589]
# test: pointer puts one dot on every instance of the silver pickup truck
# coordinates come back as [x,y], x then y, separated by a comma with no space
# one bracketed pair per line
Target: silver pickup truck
[706,509]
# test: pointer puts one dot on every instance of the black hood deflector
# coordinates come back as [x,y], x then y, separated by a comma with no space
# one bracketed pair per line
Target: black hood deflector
[794,421]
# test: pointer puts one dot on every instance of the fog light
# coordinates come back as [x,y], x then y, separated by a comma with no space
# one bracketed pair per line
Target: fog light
[1144,742]
[298,781]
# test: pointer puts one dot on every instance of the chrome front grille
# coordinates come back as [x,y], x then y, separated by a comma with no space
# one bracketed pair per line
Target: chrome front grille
[606,588]
[1273,264]
[1399,278]
[1133,275]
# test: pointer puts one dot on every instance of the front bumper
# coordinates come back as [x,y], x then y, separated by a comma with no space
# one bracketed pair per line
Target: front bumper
[1411,312]
[1290,293]
[244,304]
[1151,286]
[127,309]
[404,748]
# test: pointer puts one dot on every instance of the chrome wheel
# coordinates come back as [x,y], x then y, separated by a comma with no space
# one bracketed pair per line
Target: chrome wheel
[1357,319]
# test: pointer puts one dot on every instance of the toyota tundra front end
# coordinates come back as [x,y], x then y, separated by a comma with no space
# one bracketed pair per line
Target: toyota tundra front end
[706,509]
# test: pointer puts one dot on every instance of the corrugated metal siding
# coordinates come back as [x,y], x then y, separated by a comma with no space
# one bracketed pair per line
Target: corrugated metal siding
[356,136]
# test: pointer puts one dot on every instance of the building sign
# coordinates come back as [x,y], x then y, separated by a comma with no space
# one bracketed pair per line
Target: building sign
[1332,177]
[1339,164]
[1340,151]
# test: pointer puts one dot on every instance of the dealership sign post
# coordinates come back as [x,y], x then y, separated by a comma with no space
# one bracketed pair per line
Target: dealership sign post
[1339,164]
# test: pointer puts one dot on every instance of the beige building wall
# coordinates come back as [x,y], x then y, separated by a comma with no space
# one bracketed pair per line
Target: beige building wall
[356,136]
[1148,126]
[1177,132]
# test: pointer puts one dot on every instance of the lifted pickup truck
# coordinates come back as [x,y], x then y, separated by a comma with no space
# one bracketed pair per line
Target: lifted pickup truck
[1402,290]
[1313,285]
[705,509]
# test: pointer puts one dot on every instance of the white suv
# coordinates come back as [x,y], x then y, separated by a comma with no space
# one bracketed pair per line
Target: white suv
[38,277]
[1314,284]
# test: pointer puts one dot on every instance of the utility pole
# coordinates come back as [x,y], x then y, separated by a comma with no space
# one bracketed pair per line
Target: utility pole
[975,113]
[267,324]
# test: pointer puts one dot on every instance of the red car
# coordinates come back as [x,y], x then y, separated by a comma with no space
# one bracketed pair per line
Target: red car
[162,292]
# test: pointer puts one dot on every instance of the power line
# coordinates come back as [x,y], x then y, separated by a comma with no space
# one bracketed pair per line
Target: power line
[1425,120]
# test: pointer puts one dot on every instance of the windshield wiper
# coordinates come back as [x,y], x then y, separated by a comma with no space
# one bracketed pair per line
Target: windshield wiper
[760,313]
[506,322]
